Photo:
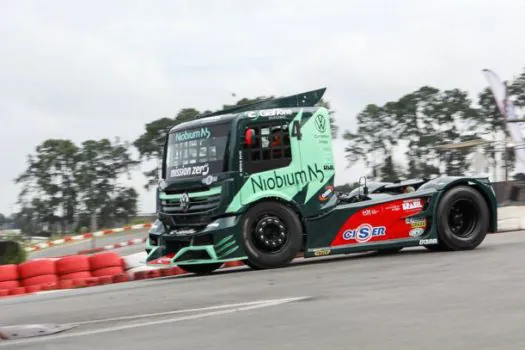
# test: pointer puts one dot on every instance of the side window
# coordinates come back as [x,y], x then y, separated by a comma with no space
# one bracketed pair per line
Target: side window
[266,147]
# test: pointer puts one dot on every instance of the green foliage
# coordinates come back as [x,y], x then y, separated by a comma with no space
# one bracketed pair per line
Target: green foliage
[425,118]
[64,182]
[12,252]
[151,143]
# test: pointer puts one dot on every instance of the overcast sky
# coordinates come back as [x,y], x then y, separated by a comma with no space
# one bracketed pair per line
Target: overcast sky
[93,69]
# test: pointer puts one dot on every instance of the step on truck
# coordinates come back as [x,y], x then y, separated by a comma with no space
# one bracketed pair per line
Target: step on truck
[255,183]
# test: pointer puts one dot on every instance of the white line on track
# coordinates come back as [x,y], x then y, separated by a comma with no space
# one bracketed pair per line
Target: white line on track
[213,311]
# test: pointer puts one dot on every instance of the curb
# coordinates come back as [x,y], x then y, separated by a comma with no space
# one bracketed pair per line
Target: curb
[129,243]
[85,236]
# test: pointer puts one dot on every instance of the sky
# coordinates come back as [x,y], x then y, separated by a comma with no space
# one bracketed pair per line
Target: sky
[96,69]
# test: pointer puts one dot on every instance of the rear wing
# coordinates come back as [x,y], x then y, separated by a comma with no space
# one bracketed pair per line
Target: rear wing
[304,99]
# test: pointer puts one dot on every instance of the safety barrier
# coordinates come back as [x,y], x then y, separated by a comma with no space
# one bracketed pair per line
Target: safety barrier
[114,246]
[85,236]
[79,271]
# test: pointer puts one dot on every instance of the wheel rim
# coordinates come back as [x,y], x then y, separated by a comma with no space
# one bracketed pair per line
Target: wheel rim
[462,218]
[270,233]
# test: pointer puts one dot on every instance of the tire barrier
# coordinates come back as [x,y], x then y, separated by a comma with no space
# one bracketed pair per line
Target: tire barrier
[85,236]
[80,271]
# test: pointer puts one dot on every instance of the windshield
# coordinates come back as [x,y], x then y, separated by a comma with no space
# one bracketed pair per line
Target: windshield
[197,151]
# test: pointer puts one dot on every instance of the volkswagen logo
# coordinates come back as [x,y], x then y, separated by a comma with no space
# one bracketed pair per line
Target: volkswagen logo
[184,202]
[320,123]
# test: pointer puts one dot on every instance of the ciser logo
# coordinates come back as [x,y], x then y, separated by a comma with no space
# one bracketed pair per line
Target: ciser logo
[364,232]
[202,133]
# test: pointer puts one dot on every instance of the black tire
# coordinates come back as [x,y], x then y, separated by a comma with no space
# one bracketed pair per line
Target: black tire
[201,269]
[249,264]
[278,239]
[462,219]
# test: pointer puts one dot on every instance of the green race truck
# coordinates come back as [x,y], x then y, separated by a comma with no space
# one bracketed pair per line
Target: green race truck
[255,183]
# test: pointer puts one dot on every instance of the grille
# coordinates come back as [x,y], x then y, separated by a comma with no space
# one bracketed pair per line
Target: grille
[198,214]
[199,205]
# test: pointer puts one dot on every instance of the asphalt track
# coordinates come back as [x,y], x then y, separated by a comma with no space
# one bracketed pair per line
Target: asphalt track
[73,248]
[412,300]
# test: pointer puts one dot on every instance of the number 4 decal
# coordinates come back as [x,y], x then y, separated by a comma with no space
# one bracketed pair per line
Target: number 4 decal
[296,130]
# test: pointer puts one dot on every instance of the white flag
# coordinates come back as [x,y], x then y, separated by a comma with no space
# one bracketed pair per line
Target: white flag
[506,107]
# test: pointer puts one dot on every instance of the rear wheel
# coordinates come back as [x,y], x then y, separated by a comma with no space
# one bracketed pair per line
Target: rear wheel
[272,235]
[462,219]
[201,269]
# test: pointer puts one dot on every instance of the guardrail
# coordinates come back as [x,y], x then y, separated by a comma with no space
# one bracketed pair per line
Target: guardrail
[84,237]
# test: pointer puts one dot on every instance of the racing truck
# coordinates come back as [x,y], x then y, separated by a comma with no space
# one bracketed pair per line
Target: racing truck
[255,183]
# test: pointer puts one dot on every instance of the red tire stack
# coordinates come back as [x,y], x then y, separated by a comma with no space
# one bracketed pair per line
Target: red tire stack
[37,274]
[73,267]
[107,264]
[8,277]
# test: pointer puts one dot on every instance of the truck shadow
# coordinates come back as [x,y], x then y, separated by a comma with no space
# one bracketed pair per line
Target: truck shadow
[407,252]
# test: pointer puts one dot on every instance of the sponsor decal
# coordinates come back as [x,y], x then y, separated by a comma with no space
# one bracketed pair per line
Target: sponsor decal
[329,167]
[370,212]
[276,181]
[202,133]
[191,170]
[322,252]
[183,232]
[393,207]
[416,223]
[208,180]
[327,194]
[241,161]
[416,232]
[320,123]
[277,112]
[428,241]
[364,232]
[412,204]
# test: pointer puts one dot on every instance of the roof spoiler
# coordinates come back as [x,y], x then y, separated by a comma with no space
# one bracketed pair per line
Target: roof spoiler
[305,99]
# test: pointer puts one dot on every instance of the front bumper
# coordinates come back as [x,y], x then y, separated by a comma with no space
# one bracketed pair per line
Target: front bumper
[220,241]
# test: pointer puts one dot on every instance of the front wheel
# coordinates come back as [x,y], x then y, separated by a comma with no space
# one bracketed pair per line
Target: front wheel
[201,269]
[272,235]
[462,219]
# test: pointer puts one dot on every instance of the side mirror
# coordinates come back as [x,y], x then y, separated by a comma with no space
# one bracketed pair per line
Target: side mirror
[249,137]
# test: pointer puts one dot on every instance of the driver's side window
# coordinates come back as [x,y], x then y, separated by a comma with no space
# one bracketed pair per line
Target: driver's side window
[266,147]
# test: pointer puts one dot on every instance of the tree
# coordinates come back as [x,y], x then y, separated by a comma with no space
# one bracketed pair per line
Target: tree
[3,219]
[49,184]
[377,134]
[424,118]
[101,163]
[151,143]
[389,171]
